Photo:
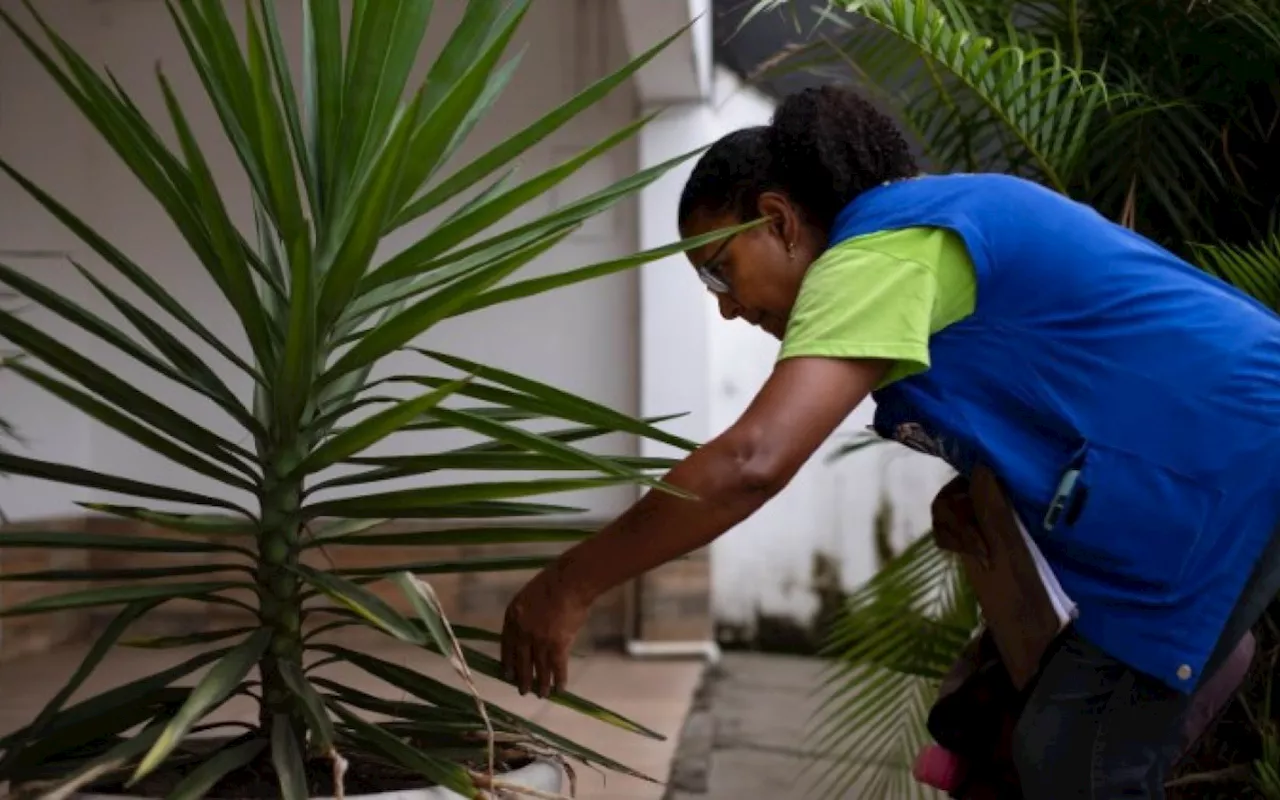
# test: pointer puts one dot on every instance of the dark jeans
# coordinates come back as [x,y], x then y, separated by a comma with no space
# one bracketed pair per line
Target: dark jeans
[1095,729]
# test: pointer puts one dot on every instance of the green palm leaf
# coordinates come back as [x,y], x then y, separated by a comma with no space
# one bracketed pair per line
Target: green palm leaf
[893,642]
[1253,268]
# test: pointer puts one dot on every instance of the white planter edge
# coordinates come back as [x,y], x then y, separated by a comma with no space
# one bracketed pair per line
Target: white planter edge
[542,775]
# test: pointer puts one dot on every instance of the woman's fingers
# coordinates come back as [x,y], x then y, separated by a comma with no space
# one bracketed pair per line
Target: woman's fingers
[509,652]
[524,666]
[544,671]
[560,667]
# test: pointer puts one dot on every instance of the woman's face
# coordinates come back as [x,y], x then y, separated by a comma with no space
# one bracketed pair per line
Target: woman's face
[755,275]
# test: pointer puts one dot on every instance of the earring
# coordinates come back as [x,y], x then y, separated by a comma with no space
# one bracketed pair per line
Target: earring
[791,249]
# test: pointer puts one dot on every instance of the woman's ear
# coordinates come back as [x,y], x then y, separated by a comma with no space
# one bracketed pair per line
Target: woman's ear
[783,219]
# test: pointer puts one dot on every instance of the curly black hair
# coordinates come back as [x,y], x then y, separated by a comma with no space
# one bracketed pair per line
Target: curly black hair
[824,147]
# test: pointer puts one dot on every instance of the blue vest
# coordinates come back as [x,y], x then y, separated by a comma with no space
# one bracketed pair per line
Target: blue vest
[1097,355]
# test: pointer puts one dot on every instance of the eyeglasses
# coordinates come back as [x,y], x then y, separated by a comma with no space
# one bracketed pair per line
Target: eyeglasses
[711,272]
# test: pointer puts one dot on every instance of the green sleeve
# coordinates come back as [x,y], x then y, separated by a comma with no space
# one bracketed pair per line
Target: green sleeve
[882,296]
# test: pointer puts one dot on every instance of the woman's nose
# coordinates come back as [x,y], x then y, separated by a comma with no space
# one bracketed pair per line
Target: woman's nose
[729,309]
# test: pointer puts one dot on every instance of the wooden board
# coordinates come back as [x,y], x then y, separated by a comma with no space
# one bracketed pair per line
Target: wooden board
[975,520]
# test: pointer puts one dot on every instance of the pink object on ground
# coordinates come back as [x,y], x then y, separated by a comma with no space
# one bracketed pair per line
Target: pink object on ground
[939,768]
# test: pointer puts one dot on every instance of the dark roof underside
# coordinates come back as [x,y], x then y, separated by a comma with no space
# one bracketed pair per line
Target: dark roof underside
[764,37]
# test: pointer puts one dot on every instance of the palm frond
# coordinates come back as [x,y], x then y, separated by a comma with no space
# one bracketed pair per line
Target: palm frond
[891,645]
[976,102]
[1252,268]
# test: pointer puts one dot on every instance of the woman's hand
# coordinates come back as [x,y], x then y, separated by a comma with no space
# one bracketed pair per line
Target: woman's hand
[541,623]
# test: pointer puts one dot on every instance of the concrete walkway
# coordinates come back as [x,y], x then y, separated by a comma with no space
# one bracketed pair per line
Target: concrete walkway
[746,734]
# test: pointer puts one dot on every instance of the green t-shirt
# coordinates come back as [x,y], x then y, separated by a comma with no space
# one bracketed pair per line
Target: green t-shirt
[883,295]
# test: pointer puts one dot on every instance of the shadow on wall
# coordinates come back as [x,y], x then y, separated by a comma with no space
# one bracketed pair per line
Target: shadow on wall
[784,634]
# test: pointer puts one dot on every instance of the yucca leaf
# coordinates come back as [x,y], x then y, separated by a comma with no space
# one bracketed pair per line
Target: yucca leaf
[82,318]
[480,21]
[348,619]
[496,412]
[210,691]
[564,435]
[198,782]
[480,109]
[353,238]
[298,363]
[143,693]
[366,508]
[98,574]
[534,286]
[432,616]
[184,640]
[203,524]
[361,601]
[344,528]
[212,49]
[448,537]
[115,390]
[136,275]
[461,228]
[286,757]
[124,129]
[102,644]
[441,719]
[190,369]
[459,92]
[76,540]
[288,98]
[76,476]
[119,755]
[539,443]
[433,691]
[117,595]
[560,403]
[126,425]
[386,38]
[458,495]
[274,142]
[374,429]
[516,251]
[497,187]
[323,67]
[582,209]
[404,327]
[443,773]
[450,566]
[228,269]
[390,467]
[312,705]
[518,143]
[73,745]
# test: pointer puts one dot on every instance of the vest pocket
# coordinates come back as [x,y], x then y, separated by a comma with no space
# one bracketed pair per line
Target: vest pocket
[1132,518]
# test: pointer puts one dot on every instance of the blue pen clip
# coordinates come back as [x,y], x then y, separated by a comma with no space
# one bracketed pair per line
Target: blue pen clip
[1066,488]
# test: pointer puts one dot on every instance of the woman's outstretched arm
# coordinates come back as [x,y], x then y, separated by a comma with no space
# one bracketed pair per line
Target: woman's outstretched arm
[732,476]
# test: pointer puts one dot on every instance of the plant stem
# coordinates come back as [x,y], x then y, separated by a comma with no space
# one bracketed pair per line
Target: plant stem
[280,599]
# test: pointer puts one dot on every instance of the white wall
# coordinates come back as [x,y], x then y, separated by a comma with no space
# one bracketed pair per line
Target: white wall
[583,339]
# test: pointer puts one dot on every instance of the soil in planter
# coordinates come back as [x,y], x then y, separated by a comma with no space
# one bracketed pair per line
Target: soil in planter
[258,780]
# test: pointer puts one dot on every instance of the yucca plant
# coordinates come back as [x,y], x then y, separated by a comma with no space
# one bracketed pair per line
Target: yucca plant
[337,160]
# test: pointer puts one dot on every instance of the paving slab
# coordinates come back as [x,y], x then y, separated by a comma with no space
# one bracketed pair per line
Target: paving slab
[746,737]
